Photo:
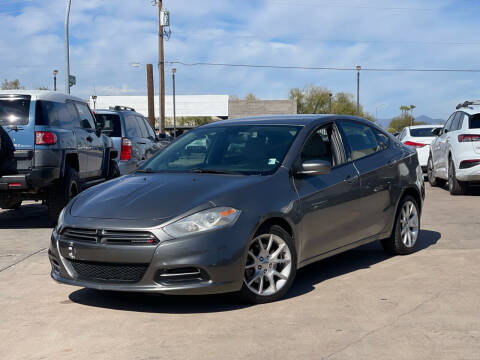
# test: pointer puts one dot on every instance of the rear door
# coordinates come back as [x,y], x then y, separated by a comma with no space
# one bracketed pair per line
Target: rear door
[369,151]
[94,146]
[145,138]
[439,149]
[152,139]
[16,133]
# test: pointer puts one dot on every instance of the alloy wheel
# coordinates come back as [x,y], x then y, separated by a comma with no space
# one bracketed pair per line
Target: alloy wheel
[431,178]
[409,224]
[269,265]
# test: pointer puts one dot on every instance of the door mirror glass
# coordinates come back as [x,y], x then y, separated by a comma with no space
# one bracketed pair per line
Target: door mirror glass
[315,167]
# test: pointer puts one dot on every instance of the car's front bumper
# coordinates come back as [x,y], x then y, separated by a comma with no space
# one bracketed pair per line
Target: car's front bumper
[218,255]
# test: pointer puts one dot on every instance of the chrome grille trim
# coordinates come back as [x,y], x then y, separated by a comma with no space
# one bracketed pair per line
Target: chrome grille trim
[113,237]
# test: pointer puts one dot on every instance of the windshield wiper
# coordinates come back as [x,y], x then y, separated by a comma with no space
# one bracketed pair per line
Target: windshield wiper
[209,171]
[147,170]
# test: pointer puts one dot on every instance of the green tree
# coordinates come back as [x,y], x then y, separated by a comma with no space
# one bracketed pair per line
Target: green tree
[316,100]
[12,85]
[250,97]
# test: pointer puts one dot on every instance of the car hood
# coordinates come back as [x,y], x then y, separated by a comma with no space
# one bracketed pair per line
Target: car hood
[157,196]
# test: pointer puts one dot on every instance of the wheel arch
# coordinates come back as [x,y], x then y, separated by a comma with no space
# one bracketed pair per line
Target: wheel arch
[415,193]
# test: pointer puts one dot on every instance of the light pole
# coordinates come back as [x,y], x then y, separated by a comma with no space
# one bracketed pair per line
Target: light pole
[376,111]
[358,89]
[174,113]
[55,72]
[67,49]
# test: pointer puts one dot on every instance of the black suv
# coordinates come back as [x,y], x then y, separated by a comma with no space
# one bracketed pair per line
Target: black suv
[50,149]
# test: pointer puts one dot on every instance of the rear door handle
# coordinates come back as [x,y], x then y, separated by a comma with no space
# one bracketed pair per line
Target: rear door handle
[351,179]
[141,143]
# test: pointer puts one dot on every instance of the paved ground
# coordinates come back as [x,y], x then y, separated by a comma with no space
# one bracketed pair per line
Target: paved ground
[358,305]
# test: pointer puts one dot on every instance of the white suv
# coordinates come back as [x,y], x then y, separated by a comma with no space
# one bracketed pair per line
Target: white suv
[455,153]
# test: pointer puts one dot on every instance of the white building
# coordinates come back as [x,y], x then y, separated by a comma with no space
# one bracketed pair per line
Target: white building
[186,105]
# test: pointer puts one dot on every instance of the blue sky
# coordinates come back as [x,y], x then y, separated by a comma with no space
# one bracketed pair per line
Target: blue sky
[107,36]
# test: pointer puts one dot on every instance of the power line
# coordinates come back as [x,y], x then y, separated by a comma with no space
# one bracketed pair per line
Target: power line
[287,67]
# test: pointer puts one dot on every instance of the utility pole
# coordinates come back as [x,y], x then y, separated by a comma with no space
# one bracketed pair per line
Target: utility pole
[67,49]
[330,102]
[161,67]
[150,92]
[358,89]
[174,113]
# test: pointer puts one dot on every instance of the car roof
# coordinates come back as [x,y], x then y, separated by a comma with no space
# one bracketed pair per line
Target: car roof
[471,110]
[113,111]
[43,95]
[298,120]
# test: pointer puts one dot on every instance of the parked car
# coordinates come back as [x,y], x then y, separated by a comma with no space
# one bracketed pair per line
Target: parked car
[419,137]
[455,152]
[50,149]
[132,136]
[258,199]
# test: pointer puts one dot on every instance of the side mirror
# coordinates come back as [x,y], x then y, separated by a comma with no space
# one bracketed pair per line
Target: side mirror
[314,167]
[436,131]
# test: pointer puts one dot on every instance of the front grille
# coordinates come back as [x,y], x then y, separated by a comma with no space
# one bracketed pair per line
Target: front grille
[116,237]
[131,273]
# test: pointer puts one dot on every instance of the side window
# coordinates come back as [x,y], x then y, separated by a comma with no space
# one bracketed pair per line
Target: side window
[460,121]
[455,121]
[46,114]
[65,119]
[150,131]
[86,119]
[448,124]
[72,112]
[361,138]
[143,129]
[324,144]
[131,126]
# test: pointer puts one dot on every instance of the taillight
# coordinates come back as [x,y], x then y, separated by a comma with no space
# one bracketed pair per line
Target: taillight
[126,150]
[414,144]
[468,138]
[466,164]
[45,138]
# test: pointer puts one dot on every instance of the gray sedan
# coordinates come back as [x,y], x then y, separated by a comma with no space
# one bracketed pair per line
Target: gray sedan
[239,206]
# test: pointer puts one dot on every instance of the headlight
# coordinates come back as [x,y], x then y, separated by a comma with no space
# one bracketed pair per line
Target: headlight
[210,219]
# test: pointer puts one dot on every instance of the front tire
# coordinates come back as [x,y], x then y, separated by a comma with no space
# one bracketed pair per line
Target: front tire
[270,267]
[62,192]
[406,231]
[434,181]
[454,186]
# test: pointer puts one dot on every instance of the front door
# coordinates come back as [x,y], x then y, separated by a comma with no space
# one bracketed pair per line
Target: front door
[329,203]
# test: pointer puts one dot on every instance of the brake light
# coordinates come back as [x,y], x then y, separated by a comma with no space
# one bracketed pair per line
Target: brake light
[45,138]
[414,144]
[468,138]
[466,164]
[126,150]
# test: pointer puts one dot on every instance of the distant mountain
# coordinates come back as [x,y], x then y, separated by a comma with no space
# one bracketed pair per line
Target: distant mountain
[422,118]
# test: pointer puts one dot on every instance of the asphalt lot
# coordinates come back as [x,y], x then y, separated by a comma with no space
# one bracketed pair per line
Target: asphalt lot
[358,305]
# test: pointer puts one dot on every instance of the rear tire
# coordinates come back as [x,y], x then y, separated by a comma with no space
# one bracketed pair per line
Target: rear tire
[62,192]
[406,230]
[434,181]
[113,170]
[456,187]
[269,270]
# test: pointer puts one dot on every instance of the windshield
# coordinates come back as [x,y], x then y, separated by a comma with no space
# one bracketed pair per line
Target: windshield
[239,149]
[14,110]
[422,132]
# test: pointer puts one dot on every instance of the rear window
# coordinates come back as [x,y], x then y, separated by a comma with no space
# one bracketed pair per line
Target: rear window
[475,122]
[112,126]
[422,132]
[14,110]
